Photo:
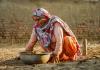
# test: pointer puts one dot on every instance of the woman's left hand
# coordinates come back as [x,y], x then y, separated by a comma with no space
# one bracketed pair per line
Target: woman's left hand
[55,58]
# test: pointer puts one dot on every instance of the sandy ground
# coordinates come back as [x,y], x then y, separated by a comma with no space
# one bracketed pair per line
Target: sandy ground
[8,61]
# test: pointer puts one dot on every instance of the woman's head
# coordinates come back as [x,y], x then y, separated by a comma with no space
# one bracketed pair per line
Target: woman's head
[40,15]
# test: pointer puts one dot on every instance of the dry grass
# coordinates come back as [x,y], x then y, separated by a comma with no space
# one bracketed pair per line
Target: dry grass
[15,16]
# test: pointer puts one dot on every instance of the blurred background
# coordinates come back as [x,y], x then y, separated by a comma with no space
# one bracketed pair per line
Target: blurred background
[83,17]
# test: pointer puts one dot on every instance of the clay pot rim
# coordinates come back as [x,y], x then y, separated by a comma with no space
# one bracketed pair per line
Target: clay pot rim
[30,53]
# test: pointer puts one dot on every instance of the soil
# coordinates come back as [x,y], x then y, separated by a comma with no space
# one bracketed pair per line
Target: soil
[8,61]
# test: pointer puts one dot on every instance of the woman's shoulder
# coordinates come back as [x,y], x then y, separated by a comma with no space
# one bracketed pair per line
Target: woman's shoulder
[57,24]
[55,20]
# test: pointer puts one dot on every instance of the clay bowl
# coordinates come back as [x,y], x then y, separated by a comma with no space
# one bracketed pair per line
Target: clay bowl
[30,58]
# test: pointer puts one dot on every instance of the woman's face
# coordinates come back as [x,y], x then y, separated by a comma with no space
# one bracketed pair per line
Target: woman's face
[35,18]
[39,20]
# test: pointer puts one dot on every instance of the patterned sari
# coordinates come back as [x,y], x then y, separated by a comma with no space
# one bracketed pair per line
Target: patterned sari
[70,44]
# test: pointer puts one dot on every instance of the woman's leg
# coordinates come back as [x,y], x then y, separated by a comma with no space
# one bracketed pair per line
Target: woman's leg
[69,47]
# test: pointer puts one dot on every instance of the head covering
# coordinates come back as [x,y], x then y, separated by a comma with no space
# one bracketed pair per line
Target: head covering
[41,12]
[45,37]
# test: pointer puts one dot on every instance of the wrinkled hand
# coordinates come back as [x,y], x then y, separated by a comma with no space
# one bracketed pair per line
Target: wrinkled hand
[55,58]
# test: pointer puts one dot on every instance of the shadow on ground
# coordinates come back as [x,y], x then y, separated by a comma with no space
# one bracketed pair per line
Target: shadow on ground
[12,62]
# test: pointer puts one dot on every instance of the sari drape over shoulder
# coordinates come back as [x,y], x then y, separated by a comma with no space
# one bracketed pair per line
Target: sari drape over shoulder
[70,44]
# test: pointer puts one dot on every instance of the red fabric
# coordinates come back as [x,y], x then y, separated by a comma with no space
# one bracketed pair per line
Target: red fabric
[69,51]
[69,48]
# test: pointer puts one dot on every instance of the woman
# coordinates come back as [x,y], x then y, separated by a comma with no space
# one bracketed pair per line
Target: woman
[54,36]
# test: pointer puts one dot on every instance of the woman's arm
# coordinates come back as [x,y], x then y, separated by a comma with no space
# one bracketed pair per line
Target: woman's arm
[58,32]
[32,41]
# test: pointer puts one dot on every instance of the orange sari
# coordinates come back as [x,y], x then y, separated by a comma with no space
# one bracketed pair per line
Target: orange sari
[69,49]
[70,45]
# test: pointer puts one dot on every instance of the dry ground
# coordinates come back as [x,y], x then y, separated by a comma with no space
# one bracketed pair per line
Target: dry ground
[8,61]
